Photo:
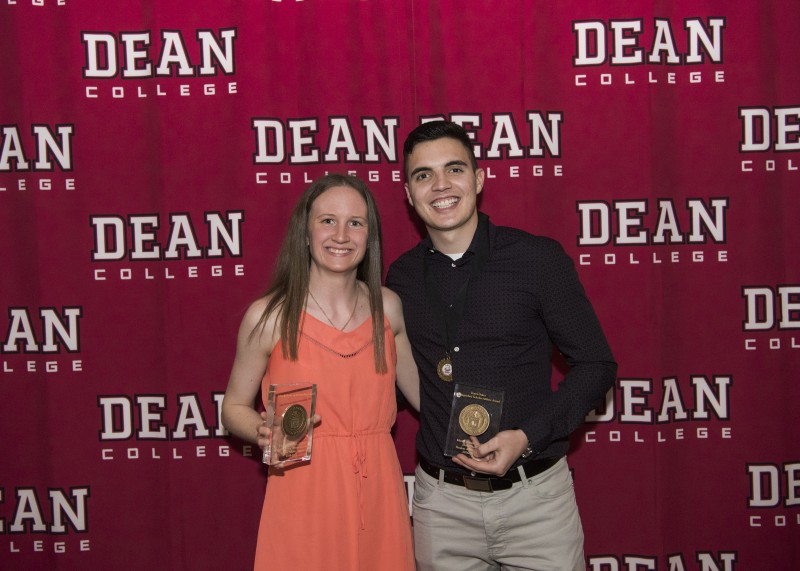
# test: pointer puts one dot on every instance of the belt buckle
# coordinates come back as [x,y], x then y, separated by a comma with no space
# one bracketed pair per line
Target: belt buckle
[478,484]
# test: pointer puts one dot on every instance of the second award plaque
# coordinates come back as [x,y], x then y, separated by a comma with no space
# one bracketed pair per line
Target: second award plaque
[475,413]
[289,411]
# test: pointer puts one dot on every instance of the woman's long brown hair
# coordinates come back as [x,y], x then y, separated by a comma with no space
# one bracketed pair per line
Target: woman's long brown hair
[289,286]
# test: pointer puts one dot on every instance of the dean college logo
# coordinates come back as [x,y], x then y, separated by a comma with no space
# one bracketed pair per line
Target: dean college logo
[769,137]
[774,497]
[646,410]
[136,248]
[664,53]
[32,156]
[771,317]
[34,521]
[42,339]
[158,64]
[164,428]
[643,231]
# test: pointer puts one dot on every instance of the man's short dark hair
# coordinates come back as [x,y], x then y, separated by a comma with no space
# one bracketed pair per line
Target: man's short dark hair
[434,130]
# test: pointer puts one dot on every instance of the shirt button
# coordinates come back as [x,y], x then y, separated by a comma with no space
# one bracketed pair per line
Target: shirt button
[456,349]
[453,265]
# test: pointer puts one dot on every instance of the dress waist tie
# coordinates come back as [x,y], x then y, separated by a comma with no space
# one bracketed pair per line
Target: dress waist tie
[359,462]
[360,470]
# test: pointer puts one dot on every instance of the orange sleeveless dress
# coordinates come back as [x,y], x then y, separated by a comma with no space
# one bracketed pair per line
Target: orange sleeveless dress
[347,509]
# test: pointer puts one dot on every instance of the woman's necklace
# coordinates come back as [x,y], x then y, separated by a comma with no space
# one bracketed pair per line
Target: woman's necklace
[349,319]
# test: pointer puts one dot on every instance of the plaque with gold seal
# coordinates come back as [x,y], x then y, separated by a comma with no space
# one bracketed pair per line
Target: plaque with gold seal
[474,415]
[290,408]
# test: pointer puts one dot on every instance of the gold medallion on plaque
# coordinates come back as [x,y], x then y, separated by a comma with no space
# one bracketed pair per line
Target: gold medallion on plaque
[445,369]
[474,419]
[293,421]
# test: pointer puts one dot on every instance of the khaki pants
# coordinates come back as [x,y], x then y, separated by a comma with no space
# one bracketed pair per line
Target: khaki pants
[535,525]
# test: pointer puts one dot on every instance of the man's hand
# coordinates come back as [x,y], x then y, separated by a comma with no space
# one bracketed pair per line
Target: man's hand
[495,456]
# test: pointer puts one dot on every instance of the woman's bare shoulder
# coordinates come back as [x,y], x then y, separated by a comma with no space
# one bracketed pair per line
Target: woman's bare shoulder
[392,308]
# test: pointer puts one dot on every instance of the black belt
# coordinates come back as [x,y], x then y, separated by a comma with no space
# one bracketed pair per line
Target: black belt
[488,483]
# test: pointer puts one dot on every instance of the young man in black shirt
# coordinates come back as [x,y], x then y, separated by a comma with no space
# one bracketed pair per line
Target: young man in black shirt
[484,306]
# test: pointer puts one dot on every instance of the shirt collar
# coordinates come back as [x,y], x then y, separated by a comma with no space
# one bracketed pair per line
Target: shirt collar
[483,238]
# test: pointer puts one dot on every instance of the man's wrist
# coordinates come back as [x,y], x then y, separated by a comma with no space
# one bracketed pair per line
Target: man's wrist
[528,451]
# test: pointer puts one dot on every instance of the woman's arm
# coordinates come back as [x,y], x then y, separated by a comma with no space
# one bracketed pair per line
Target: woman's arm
[407,374]
[239,415]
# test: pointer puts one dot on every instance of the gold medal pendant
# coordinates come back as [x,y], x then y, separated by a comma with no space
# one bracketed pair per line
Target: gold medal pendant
[445,370]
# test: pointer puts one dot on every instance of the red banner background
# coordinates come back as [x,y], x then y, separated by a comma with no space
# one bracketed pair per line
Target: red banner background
[150,154]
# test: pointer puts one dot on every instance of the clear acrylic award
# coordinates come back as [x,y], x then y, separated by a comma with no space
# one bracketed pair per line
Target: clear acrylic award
[475,413]
[290,409]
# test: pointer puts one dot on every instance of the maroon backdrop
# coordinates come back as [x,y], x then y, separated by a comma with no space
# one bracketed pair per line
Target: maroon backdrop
[150,153]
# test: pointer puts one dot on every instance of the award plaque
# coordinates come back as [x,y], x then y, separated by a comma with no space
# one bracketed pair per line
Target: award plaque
[475,413]
[289,412]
